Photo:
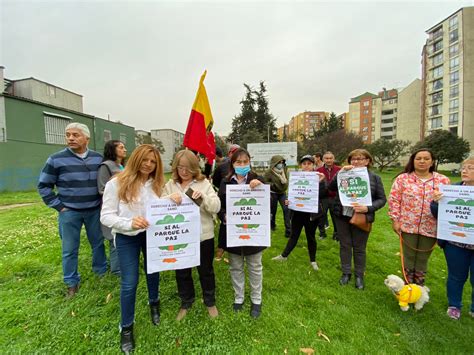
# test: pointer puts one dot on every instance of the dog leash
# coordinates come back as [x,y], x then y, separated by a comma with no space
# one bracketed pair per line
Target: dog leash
[403,259]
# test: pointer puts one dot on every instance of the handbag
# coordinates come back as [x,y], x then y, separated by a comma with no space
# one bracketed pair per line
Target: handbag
[360,221]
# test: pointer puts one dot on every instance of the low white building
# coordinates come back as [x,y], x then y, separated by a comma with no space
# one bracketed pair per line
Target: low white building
[172,142]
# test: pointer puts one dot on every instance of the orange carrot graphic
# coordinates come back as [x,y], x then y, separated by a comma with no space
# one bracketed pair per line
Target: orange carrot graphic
[170,260]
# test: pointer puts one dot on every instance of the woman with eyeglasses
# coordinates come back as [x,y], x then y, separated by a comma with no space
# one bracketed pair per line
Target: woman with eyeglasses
[114,157]
[186,175]
[240,172]
[353,240]
[459,256]
[409,209]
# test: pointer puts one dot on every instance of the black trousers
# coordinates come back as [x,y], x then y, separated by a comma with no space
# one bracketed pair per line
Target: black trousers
[328,205]
[352,241]
[274,200]
[184,278]
[298,221]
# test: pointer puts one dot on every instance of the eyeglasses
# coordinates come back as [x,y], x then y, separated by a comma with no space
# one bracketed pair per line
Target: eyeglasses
[184,169]
[358,159]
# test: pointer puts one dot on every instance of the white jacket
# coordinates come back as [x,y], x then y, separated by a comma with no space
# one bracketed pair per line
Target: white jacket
[211,203]
[117,214]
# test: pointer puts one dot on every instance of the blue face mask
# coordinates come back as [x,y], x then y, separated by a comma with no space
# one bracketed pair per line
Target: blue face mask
[242,170]
[279,166]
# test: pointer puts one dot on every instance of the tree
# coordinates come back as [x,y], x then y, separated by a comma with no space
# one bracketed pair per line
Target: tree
[446,146]
[221,143]
[146,139]
[387,151]
[328,125]
[254,120]
[246,119]
[339,142]
[265,123]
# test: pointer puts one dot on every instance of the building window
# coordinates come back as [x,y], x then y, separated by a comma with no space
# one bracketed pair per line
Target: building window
[454,63]
[437,46]
[453,22]
[453,130]
[453,105]
[436,33]
[454,77]
[453,50]
[453,36]
[123,138]
[436,123]
[365,121]
[437,72]
[365,129]
[51,91]
[454,91]
[365,103]
[437,59]
[437,97]
[55,128]
[365,138]
[437,84]
[107,135]
[453,118]
[365,112]
[436,110]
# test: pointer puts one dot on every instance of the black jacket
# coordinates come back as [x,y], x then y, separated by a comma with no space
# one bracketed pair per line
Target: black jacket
[220,172]
[376,190]
[222,229]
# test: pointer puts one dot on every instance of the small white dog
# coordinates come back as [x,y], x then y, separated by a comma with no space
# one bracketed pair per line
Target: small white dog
[406,294]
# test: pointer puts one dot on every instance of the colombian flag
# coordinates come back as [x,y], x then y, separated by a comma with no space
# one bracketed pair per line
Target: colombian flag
[198,135]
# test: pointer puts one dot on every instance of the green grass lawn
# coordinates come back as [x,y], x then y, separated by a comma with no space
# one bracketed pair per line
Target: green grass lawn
[299,304]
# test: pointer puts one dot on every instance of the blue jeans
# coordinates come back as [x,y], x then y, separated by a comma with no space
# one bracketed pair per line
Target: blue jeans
[70,224]
[128,249]
[460,262]
[114,262]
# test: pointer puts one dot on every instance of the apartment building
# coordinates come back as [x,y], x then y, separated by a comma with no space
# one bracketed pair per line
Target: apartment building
[363,110]
[305,123]
[448,76]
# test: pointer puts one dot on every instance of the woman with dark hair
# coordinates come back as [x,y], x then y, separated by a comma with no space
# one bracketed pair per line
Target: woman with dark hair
[124,210]
[353,240]
[240,173]
[409,208]
[186,177]
[114,156]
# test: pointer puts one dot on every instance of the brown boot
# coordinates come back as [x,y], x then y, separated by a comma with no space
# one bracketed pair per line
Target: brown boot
[419,278]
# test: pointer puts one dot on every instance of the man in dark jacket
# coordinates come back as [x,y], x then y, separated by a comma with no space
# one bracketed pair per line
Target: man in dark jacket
[277,177]
[221,170]
[329,169]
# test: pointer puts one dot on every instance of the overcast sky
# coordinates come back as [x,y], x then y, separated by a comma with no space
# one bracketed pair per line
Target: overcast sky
[140,61]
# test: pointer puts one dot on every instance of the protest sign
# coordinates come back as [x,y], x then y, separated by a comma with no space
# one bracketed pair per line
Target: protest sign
[303,191]
[456,214]
[173,237]
[354,187]
[248,215]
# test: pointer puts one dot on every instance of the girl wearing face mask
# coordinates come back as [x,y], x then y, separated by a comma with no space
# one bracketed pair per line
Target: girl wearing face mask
[277,177]
[409,208]
[240,173]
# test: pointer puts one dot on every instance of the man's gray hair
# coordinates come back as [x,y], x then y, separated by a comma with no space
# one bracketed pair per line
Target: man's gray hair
[80,126]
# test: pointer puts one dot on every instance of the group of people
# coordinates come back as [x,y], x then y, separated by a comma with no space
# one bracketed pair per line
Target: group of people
[109,197]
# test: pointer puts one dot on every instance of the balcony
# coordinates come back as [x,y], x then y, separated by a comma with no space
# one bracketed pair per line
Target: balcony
[386,134]
[387,125]
[433,36]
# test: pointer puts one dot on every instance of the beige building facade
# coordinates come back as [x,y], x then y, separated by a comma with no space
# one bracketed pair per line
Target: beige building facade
[448,76]
[305,123]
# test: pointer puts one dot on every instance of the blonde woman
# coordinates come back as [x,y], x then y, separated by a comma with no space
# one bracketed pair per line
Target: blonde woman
[123,210]
[186,175]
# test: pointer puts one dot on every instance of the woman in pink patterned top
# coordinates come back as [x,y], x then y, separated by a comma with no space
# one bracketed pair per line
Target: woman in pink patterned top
[409,209]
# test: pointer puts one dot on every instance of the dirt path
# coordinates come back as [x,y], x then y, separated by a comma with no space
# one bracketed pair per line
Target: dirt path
[7,207]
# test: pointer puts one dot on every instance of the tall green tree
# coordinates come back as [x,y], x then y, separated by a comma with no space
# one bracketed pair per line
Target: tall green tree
[254,122]
[446,146]
[329,125]
[265,123]
[141,139]
[387,151]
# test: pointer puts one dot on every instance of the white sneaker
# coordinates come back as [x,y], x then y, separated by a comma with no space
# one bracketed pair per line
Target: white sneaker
[279,258]
[315,265]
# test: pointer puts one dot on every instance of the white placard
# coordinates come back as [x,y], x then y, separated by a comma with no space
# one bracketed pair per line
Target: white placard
[248,215]
[303,191]
[354,187]
[173,238]
[456,214]
[261,153]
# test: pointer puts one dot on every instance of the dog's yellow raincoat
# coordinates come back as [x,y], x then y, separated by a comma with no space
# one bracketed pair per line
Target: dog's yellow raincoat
[408,294]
